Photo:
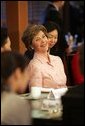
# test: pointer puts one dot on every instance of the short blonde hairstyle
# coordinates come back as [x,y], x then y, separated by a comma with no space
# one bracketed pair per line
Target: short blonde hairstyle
[30,32]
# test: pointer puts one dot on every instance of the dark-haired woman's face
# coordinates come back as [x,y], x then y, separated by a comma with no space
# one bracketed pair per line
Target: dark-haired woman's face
[52,38]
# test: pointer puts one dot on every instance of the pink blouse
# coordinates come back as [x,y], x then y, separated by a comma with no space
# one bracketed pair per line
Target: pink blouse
[43,73]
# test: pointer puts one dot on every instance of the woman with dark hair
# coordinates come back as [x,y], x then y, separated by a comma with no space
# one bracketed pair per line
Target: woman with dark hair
[54,13]
[53,36]
[14,79]
[45,70]
[5,40]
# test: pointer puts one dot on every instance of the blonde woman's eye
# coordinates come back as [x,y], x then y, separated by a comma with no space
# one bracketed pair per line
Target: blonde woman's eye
[37,39]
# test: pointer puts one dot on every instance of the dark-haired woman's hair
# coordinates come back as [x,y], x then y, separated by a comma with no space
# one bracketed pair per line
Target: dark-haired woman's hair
[10,61]
[50,26]
[4,35]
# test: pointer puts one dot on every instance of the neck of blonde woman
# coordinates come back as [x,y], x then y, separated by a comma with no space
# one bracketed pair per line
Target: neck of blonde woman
[45,55]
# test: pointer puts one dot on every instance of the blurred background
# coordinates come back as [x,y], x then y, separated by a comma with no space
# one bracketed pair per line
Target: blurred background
[34,12]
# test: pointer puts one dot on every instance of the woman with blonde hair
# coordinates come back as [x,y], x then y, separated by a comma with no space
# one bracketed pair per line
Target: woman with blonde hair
[45,70]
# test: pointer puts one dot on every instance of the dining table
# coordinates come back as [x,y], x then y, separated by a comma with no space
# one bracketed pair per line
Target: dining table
[45,111]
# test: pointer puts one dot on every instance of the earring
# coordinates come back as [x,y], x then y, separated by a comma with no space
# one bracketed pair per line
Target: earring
[32,47]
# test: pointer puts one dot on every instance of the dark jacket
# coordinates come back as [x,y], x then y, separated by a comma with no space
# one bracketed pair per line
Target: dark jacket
[73,106]
[53,15]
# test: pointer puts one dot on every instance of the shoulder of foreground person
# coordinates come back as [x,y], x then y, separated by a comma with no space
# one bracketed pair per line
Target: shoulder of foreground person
[15,110]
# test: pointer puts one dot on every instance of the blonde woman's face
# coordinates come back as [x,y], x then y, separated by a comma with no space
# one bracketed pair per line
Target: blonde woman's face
[52,38]
[40,42]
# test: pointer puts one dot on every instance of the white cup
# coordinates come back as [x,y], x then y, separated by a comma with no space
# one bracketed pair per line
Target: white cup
[35,92]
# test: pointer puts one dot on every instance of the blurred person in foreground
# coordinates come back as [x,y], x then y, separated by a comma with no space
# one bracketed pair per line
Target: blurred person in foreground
[73,100]
[5,40]
[45,70]
[14,80]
